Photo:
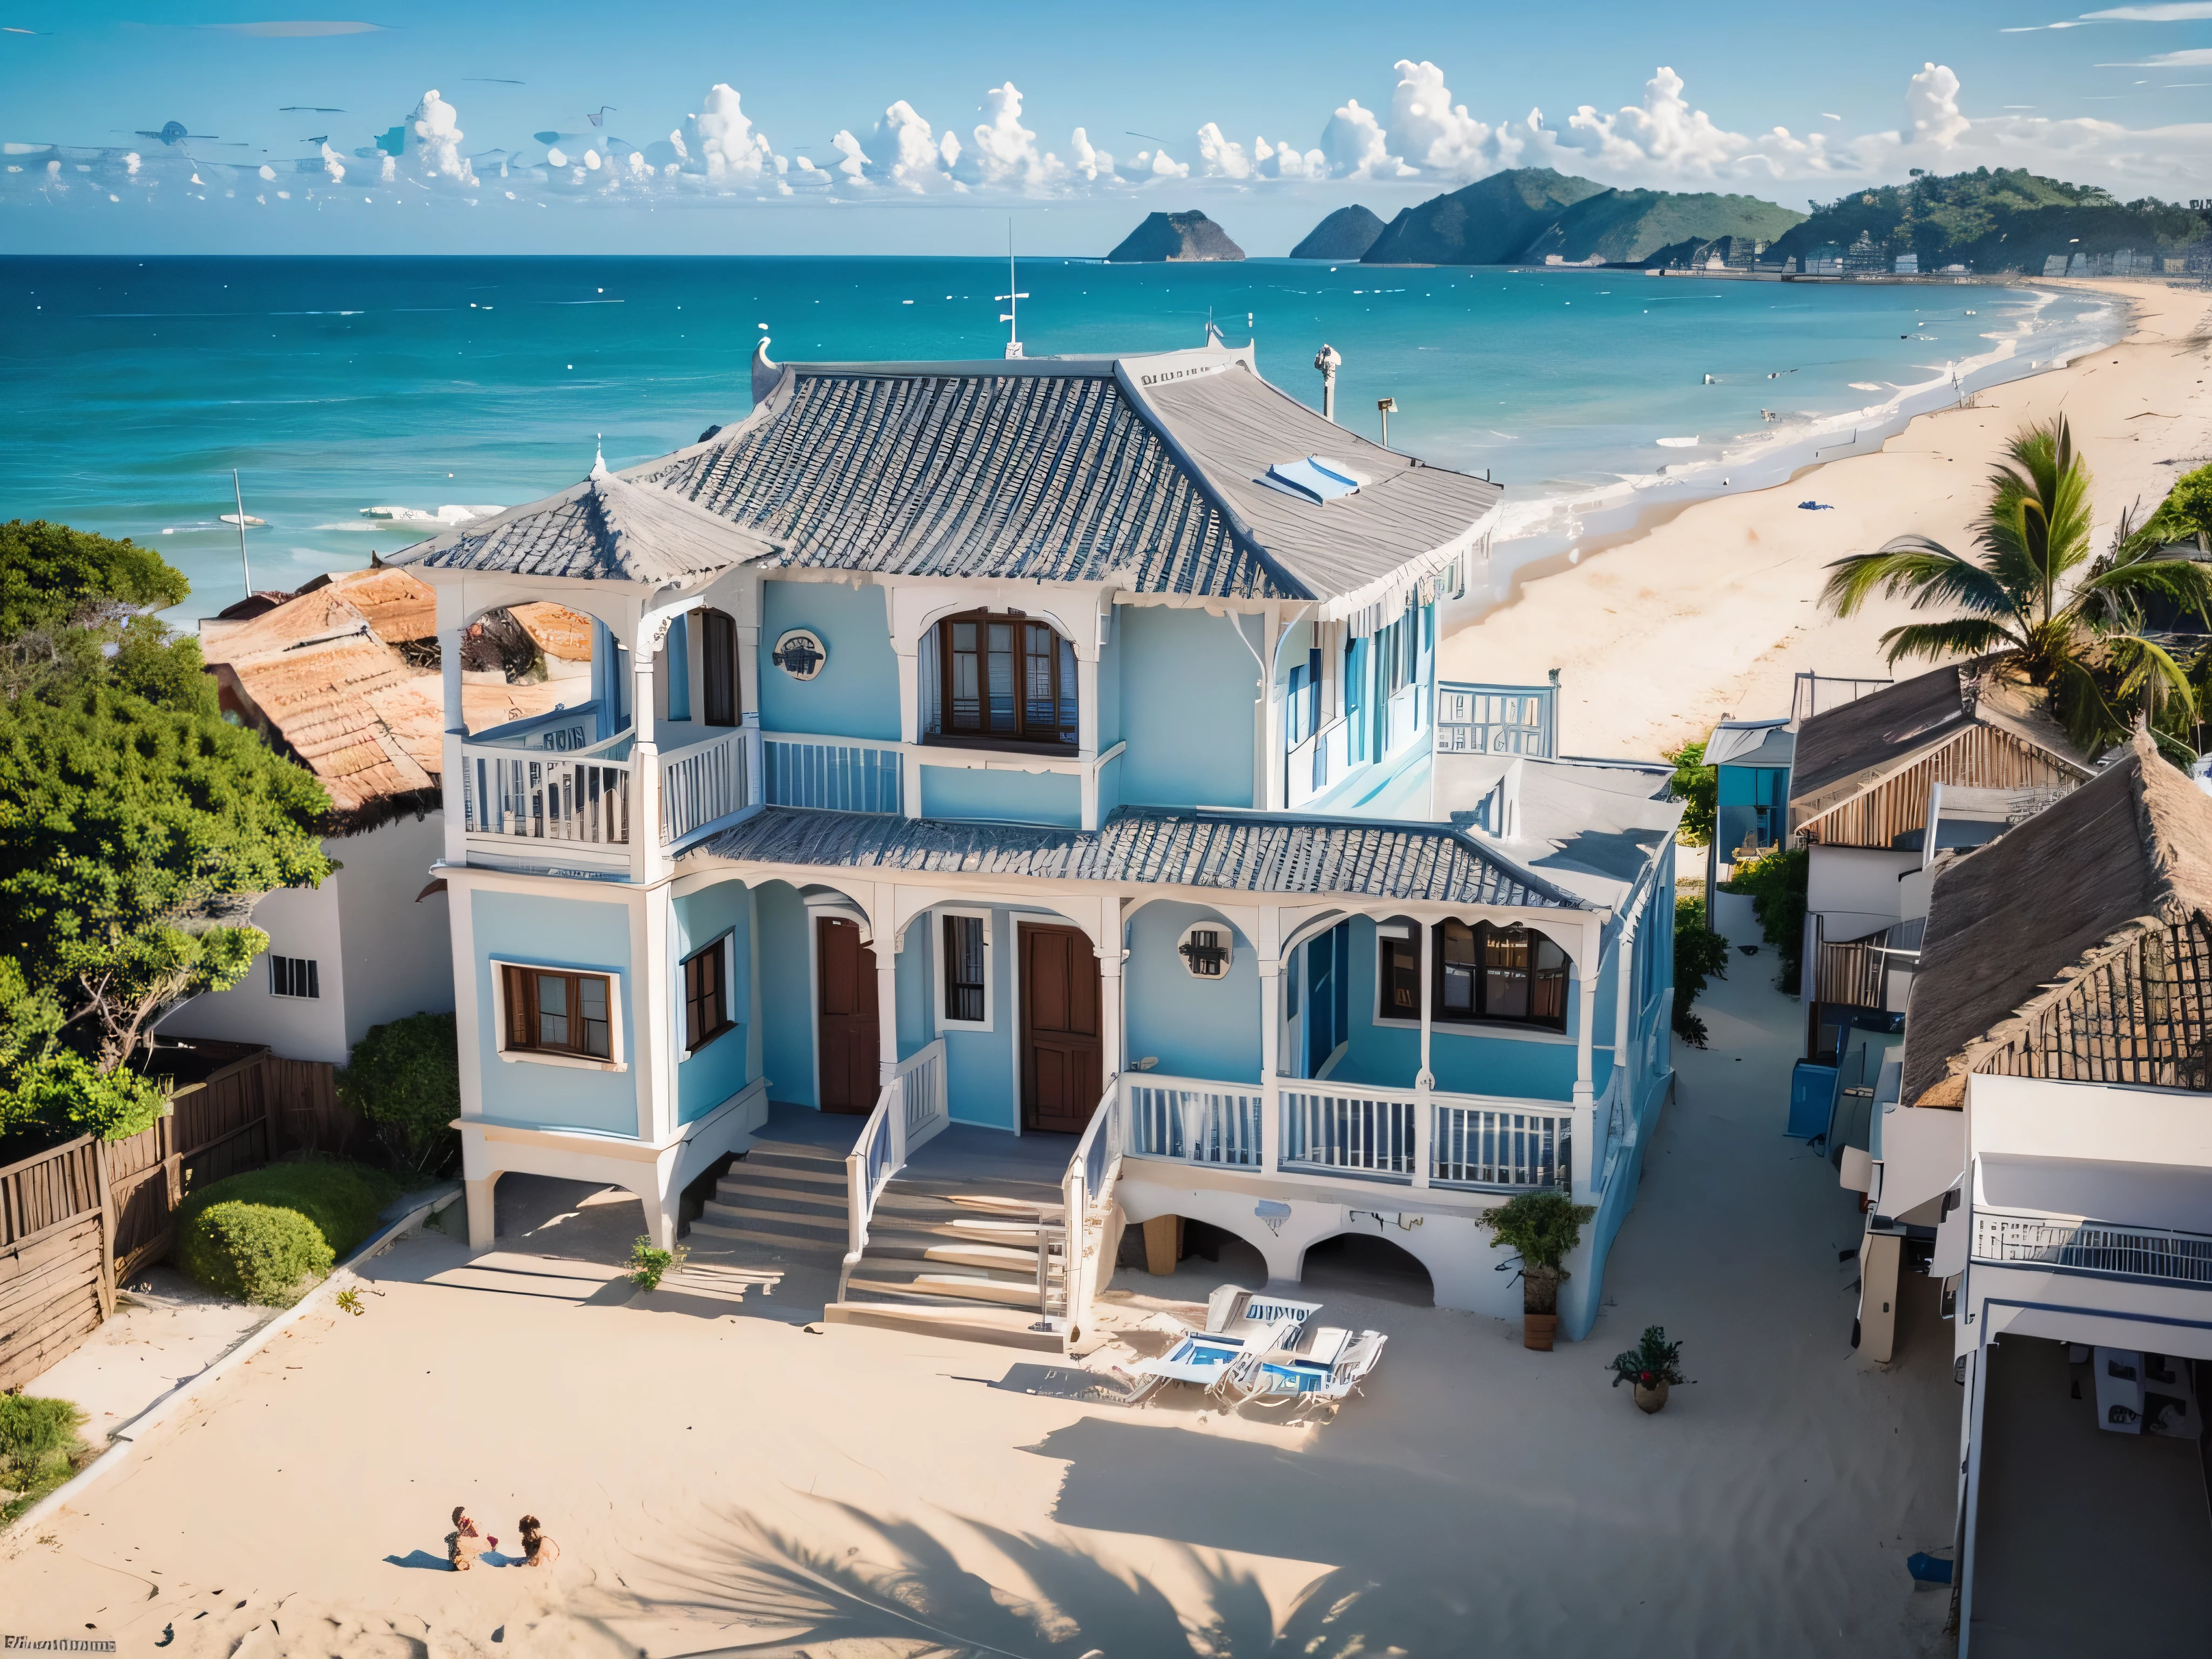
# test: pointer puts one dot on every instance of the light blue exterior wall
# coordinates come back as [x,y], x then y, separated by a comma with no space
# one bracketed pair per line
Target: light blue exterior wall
[1110,731]
[786,993]
[953,792]
[915,983]
[980,1065]
[1196,1027]
[718,1070]
[856,694]
[554,932]
[1188,687]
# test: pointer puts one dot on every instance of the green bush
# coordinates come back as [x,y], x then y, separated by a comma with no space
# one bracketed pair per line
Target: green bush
[38,1448]
[1697,785]
[406,1078]
[1777,886]
[1700,956]
[253,1252]
[255,1236]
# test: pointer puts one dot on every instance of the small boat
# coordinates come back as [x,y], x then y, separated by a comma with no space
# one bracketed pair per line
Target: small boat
[247,520]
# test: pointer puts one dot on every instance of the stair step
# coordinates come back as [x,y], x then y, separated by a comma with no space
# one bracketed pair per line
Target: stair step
[721,1236]
[881,1278]
[952,1252]
[1007,1328]
[758,1205]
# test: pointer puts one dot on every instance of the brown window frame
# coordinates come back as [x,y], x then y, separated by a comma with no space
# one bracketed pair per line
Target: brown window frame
[721,690]
[525,1014]
[706,981]
[1061,738]
[1397,966]
[1546,984]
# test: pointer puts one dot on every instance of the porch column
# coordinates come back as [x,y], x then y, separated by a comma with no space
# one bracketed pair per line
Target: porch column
[888,943]
[1425,1081]
[644,765]
[909,654]
[1583,1174]
[1112,1038]
[1268,951]
[452,609]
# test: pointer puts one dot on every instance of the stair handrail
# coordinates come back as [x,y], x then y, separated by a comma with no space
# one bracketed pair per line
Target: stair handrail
[1086,1199]
[877,1156]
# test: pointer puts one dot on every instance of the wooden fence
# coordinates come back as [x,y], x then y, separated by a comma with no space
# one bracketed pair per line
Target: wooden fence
[78,1221]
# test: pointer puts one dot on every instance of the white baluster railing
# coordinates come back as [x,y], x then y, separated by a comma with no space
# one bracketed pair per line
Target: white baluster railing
[911,1109]
[527,796]
[1344,1127]
[707,781]
[1194,1121]
[1502,1144]
[1087,1207]
[927,1107]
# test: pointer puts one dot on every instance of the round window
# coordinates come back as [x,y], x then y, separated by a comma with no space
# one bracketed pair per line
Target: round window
[1205,949]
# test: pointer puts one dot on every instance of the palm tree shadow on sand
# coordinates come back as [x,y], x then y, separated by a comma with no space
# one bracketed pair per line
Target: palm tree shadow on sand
[903,1590]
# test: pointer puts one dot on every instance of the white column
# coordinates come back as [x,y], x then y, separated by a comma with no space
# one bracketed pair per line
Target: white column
[452,620]
[888,940]
[1584,1176]
[651,1019]
[909,676]
[1424,1080]
[645,860]
[1268,950]
[1113,1037]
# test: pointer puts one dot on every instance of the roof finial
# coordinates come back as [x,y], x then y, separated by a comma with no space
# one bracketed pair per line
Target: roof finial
[598,455]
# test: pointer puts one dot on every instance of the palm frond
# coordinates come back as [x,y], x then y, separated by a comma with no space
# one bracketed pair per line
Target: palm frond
[1929,571]
[2091,718]
[1938,641]
[2151,675]
[2123,586]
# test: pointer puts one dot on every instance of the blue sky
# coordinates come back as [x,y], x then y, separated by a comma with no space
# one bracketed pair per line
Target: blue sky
[1382,105]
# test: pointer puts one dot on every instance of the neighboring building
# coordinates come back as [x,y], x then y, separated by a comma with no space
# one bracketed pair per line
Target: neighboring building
[947,717]
[342,678]
[1880,787]
[1751,763]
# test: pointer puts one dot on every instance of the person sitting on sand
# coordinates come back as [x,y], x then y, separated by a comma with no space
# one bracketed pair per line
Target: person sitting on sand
[463,1544]
[537,1550]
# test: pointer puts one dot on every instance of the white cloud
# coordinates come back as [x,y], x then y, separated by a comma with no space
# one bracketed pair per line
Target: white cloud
[1005,152]
[855,164]
[2189,11]
[332,165]
[1931,99]
[2196,58]
[1159,164]
[434,135]
[1429,132]
[906,155]
[1220,158]
[1089,162]
[720,141]
[1354,146]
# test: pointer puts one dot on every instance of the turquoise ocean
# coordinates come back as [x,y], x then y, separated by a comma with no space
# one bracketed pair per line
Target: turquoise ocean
[357,397]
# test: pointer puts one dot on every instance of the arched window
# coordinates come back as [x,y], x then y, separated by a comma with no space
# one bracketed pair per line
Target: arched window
[1001,679]
[1486,972]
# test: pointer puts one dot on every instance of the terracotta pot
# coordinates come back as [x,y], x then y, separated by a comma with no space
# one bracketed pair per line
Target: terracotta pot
[1537,1331]
[1651,1399]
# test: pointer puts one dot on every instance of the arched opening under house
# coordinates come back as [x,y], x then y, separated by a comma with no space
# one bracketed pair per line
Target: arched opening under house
[1367,1263]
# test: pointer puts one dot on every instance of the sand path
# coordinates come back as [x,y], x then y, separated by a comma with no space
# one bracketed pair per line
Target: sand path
[1715,611]
[1480,1498]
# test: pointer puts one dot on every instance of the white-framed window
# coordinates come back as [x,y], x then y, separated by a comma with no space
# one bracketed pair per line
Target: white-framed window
[551,1016]
[963,947]
[704,980]
[1206,950]
[295,977]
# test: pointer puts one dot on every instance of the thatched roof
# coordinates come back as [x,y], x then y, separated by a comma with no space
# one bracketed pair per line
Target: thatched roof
[2010,924]
[1845,750]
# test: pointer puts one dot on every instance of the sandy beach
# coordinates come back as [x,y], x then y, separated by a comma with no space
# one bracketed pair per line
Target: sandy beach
[717,1470]
[1713,611]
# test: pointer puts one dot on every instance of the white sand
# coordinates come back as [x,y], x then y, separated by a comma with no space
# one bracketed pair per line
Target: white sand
[1480,1498]
[1714,611]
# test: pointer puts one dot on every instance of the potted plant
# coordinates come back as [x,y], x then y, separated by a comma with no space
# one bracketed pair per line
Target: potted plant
[1545,1227]
[1652,1366]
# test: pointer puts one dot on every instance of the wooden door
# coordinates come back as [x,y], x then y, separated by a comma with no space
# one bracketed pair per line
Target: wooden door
[846,1037]
[1060,1050]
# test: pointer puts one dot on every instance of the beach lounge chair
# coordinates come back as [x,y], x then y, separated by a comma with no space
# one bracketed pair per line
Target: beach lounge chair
[1320,1364]
[1240,1324]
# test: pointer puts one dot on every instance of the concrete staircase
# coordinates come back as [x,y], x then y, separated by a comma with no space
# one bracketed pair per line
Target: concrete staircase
[957,1256]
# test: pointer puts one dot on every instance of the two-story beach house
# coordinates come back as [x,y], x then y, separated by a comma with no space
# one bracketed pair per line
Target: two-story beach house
[1045,746]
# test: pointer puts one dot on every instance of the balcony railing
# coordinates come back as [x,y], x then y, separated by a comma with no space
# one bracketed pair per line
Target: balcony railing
[534,797]
[1497,720]
[834,776]
[707,781]
[1339,1131]
[2093,1246]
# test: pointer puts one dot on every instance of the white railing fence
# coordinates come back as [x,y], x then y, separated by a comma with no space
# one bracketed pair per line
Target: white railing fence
[911,1109]
[1482,1146]
[536,797]
[1336,1129]
[832,775]
[2094,1247]
[1087,1200]
[707,781]
[1195,1123]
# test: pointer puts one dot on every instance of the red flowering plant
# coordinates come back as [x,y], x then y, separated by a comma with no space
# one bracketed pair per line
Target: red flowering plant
[1652,1361]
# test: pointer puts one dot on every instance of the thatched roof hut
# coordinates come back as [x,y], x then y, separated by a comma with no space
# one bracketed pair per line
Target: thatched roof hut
[2077,945]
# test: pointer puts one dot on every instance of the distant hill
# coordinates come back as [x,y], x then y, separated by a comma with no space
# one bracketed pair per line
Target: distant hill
[1621,226]
[1487,224]
[1346,234]
[1175,236]
[2001,219]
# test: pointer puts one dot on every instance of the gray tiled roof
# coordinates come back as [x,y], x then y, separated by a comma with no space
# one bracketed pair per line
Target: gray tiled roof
[1238,852]
[603,529]
[1139,470]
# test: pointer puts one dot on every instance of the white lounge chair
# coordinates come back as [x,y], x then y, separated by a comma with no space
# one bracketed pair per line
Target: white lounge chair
[1321,1363]
[1240,1325]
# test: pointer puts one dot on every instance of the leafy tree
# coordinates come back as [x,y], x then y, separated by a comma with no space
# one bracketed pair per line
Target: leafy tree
[1700,957]
[1777,884]
[405,1078]
[137,828]
[2033,598]
[1696,785]
[2186,511]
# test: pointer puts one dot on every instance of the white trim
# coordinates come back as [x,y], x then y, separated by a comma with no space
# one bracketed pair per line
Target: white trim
[941,1022]
[614,1061]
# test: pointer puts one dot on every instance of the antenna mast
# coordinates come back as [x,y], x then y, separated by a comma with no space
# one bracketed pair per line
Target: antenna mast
[238,495]
[1011,298]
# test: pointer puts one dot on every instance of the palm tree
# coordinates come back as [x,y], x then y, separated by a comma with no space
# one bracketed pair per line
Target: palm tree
[2032,597]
